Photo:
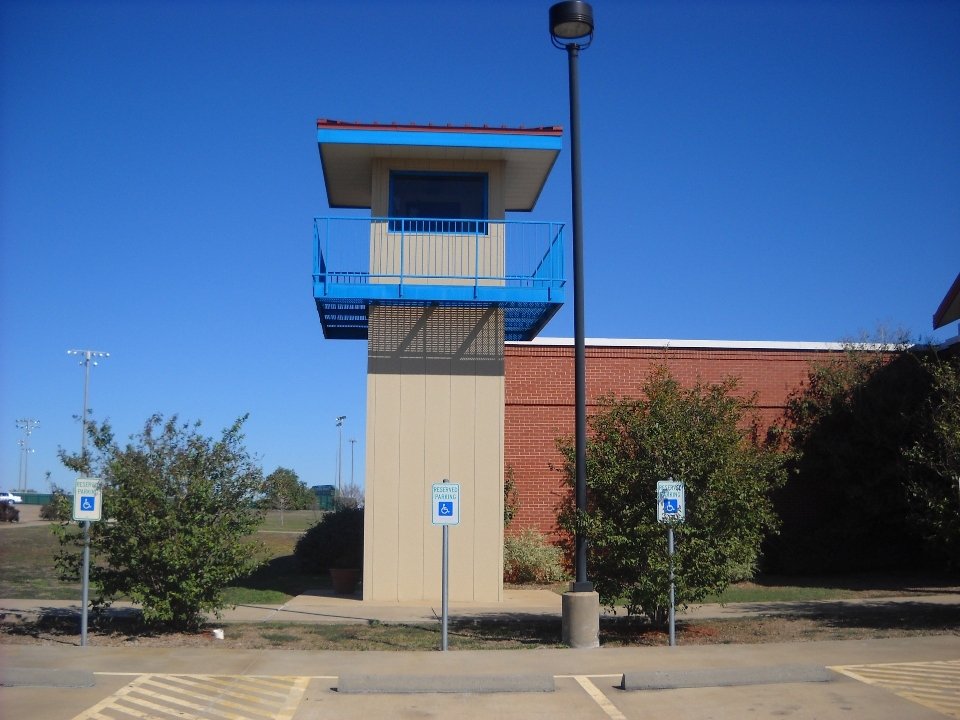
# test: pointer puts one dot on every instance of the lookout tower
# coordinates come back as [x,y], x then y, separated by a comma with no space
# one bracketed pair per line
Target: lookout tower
[435,279]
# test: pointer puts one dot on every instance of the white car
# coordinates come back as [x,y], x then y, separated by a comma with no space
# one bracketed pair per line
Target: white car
[10,498]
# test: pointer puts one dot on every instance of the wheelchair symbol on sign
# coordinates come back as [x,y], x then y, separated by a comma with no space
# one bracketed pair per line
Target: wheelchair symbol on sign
[87,503]
[671,506]
[445,509]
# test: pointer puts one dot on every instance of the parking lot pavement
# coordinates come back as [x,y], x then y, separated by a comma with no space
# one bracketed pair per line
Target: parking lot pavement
[895,678]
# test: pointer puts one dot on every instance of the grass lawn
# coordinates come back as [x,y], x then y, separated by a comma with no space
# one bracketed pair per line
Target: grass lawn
[26,559]
[27,572]
[774,588]
[293,520]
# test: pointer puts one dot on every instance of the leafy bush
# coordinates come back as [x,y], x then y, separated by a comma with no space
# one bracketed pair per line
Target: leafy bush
[9,512]
[934,486]
[177,520]
[334,542]
[511,498]
[59,507]
[530,559]
[704,436]
[870,484]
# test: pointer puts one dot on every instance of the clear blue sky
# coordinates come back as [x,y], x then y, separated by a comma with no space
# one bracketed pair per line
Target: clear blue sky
[752,171]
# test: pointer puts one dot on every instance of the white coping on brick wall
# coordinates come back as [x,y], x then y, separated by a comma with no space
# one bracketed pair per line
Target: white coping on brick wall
[720,344]
[713,344]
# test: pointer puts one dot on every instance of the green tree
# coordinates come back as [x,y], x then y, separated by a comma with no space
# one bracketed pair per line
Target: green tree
[177,516]
[934,486]
[706,437]
[285,491]
[846,506]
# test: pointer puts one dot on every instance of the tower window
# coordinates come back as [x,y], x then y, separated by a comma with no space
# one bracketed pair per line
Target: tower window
[438,202]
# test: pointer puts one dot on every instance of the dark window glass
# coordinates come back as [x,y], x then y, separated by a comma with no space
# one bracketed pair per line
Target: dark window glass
[446,203]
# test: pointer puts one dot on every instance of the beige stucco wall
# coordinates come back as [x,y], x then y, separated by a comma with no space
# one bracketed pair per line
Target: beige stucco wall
[435,387]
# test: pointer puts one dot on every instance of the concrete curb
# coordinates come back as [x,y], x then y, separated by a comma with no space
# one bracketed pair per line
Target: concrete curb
[36,677]
[369,684]
[727,677]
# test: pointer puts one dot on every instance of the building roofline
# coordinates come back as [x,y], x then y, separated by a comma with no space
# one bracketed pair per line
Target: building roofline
[689,344]
[949,309]
[548,130]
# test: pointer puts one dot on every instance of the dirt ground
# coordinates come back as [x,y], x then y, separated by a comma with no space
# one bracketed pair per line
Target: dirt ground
[851,624]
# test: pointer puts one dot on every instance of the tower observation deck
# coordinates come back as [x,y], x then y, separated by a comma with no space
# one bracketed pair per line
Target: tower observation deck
[437,233]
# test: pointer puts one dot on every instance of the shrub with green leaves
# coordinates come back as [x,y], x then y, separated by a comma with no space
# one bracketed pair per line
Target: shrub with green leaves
[529,558]
[334,542]
[59,507]
[177,516]
[705,436]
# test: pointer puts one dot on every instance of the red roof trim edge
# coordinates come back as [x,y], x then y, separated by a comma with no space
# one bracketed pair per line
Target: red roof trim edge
[552,130]
[938,317]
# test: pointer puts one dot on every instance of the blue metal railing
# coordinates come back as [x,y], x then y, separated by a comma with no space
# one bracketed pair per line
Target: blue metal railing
[436,252]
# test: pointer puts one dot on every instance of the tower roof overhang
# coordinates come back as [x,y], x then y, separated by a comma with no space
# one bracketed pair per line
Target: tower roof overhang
[347,151]
[949,309]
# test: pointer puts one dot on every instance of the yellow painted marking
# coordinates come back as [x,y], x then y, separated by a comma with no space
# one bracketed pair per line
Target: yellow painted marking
[220,690]
[258,700]
[602,700]
[296,695]
[94,712]
[194,706]
[935,685]
[218,699]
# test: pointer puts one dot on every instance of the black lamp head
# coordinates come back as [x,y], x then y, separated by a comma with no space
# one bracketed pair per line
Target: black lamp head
[571,21]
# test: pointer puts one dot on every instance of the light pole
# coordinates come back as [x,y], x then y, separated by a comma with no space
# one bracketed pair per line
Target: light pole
[340,420]
[88,356]
[87,360]
[353,444]
[571,29]
[21,443]
[27,425]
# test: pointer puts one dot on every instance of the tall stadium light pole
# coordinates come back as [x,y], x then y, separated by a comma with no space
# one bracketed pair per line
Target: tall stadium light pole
[340,420]
[353,444]
[21,443]
[571,29]
[87,360]
[27,425]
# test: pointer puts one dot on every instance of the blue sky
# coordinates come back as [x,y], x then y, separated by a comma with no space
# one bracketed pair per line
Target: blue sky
[752,171]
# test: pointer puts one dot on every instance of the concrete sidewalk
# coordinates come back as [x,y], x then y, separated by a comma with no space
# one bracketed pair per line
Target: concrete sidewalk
[518,605]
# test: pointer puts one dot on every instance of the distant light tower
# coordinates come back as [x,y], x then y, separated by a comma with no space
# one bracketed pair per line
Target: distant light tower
[27,425]
[340,419]
[353,443]
[20,469]
[88,356]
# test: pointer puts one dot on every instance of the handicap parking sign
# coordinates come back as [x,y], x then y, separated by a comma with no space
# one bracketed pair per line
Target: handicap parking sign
[670,501]
[445,503]
[87,499]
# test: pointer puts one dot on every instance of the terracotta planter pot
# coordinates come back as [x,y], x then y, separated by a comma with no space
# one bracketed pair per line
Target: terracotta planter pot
[345,581]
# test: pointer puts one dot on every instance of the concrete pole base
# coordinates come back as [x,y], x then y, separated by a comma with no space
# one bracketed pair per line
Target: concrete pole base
[581,619]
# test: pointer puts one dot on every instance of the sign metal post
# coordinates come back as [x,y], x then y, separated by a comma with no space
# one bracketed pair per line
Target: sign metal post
[671,509]
[87,508]
[445,508]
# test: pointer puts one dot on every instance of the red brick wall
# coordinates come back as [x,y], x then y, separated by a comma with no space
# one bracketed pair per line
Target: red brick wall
[539,397]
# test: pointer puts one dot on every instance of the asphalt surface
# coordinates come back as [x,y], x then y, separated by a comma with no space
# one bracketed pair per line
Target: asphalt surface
[878,679]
